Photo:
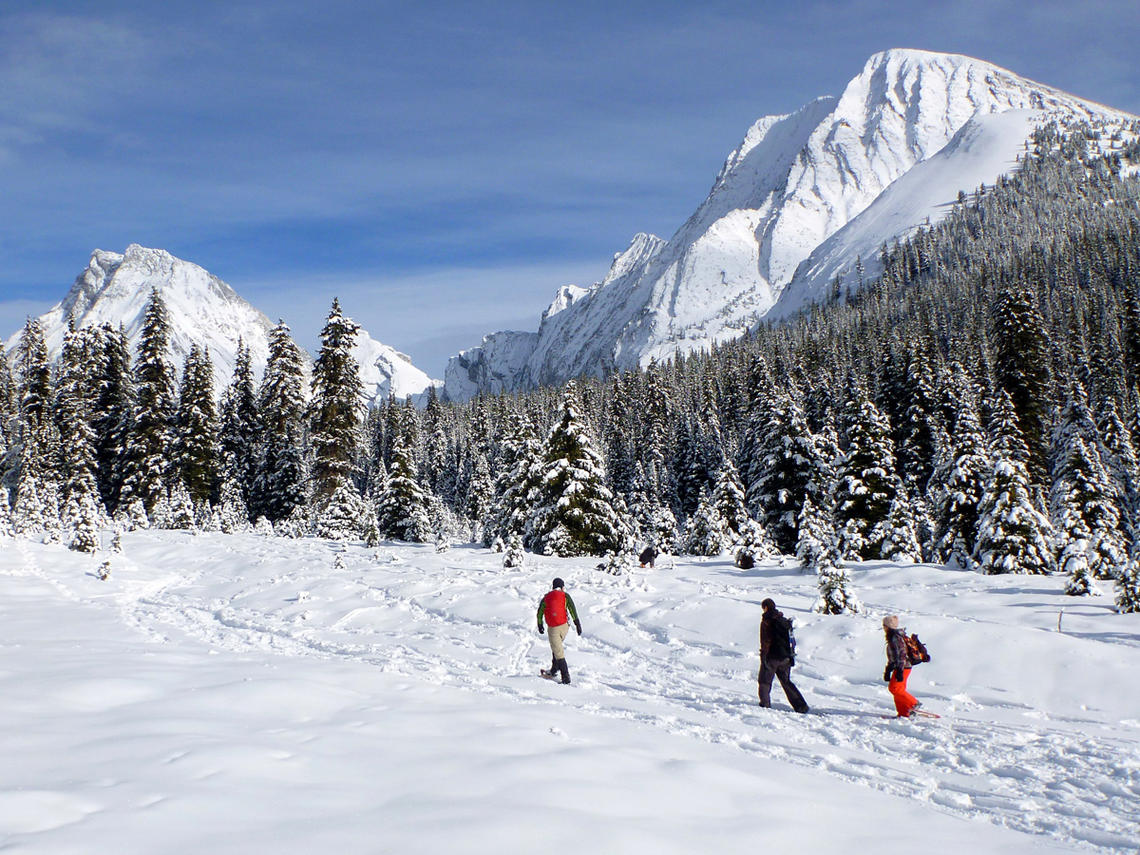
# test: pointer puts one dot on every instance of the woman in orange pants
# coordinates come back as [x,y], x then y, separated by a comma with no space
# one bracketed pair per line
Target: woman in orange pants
[898,668]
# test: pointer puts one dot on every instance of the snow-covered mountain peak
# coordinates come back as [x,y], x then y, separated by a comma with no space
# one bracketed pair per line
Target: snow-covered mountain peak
[203,310]
[787,193]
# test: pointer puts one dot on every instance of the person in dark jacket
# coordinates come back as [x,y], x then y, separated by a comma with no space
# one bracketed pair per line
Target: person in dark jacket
[898,668]
[557,609]
[648,556]
[777,658]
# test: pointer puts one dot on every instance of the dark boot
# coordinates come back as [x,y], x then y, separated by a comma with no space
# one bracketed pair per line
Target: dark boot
[564,669]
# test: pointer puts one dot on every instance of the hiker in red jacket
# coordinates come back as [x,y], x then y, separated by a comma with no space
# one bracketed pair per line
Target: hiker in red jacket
[898,668]
[556,608]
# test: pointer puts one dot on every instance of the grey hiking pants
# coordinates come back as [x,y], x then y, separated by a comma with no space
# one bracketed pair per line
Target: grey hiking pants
[781,668]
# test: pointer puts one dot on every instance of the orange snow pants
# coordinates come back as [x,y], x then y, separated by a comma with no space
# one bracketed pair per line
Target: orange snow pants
[905,702]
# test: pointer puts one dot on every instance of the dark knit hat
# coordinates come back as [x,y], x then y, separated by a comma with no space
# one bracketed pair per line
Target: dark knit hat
[557,583]
[768,603]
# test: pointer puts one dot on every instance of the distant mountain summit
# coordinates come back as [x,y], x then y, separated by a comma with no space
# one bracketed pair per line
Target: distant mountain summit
[794,206]
[203,310]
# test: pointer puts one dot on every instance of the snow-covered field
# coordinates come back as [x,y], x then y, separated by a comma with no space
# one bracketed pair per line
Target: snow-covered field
[240,694]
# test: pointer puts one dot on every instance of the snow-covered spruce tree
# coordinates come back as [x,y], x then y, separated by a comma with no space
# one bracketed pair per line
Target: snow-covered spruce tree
[1128,588]
[655,522]
[83,514]
[196,428]
[520,471]
[895,535]
[957,486]
[337,408]
[297,525]
[705,531]
[1013,536]
[84,521]
[402,506]
[1081,504]
[817,544]
[573,510]
[37,438]
[728,499]
[515,555]
[279,483]
[787,467]
[915,431]
[1021,369]
[238,421]
[835,596]
[6,527]
[112,412]
[181,515]
[344,516]
[866,484]
[30,514]
[480,499]
[145,463]
[231,512]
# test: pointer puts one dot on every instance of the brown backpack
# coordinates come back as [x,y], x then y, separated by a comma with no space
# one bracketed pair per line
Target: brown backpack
[916,652]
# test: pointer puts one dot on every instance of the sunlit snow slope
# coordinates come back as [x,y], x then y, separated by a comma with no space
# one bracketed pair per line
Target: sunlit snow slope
[236,694]
[795,182]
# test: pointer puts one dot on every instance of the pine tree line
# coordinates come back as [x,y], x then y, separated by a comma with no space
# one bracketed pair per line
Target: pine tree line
[978,403]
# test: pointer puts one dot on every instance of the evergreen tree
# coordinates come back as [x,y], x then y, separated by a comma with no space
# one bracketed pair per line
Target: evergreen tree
[574,511]
[515,555]
[728,499]
[344,516]
[195,428]
[337,409]
[77,437]
[480,500]
[705,532]
[6,527]
[520,472]
[834,584]
[787,468]
[145,459]
[958,485]
[37,438]
[85,519]
[112,412]
[1021,365]
[238,427]
[402,507]
[866,484]
[279,483]
[818,544]
[1013,536]
[1083,510]
[231,514]
[31,516]
[1128,588]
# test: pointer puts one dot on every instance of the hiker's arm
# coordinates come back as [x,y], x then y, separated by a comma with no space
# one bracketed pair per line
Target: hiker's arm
[573,614]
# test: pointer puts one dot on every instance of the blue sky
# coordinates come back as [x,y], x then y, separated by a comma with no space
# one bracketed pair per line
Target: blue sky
[442,167]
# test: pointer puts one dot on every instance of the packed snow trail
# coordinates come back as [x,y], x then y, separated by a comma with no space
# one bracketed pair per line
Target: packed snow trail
[673,649]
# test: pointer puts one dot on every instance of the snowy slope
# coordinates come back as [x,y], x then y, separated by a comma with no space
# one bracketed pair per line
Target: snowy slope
[203,310]
[239,694]
[793,183]
[385,371]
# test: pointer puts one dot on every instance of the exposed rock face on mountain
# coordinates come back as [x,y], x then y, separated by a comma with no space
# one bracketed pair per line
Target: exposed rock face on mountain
[801,198]
[203,310]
